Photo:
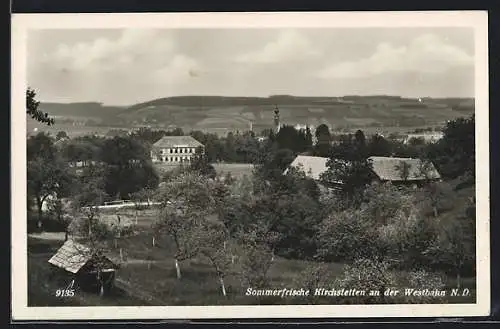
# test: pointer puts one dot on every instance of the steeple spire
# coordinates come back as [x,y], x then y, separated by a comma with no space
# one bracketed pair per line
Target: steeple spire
[277,124]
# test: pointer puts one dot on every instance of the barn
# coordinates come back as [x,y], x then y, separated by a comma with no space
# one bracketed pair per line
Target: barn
[403,171]
[92,270]
[398,171]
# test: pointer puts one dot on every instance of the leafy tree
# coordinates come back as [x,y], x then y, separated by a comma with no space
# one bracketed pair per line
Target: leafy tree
[454,154]
[61,134]
[290,138]
[312,278]
[256,258]
[60,213]
[214,246]
[129,166]
[144,195]
[455,246]
[378,229]
[91,195]
[273,163]
[344,236]
[202,166]
[322,134]
[352,177]
[378,275]
[379,146]
[359,137]
[90,232]
[187,200]
[32,108]
[368,275]
[47,176]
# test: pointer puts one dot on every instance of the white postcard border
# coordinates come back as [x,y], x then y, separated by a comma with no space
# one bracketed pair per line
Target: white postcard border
[21,23]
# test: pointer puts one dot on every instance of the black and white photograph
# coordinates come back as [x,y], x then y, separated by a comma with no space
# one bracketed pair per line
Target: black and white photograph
[240,165]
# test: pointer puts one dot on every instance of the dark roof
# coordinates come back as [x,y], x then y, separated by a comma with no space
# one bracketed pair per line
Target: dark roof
[72,256]
[387,168]
[177,141]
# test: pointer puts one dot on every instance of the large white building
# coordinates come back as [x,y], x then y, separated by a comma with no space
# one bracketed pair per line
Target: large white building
[176,149]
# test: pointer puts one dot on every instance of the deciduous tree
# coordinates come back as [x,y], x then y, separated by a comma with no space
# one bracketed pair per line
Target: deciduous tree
[32,108]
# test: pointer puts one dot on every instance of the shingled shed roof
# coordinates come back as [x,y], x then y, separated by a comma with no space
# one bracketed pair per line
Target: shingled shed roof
[387,168]
[72,256]
[177,141]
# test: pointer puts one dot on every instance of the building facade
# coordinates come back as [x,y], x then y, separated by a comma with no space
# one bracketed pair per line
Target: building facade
[176,150]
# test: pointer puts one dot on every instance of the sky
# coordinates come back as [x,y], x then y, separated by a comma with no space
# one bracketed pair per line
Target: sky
[128,66]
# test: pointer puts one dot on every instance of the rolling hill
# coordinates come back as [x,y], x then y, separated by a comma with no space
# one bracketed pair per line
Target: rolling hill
[222,114]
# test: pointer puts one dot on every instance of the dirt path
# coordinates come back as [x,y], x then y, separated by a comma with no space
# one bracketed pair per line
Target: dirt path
[51,236]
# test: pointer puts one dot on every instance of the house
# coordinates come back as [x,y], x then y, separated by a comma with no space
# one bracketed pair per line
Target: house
[312,166]
[403,170]
[87,267]
[175,149]
[426,137]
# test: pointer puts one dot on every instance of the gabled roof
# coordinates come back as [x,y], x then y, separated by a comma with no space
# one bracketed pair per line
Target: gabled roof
[177,141]
[72,256]
[388,168]
[311,165]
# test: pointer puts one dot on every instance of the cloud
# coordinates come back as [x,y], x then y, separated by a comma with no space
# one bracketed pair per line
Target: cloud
[179,69]
[426,54]
[123,67]
[289,46]
[139,60]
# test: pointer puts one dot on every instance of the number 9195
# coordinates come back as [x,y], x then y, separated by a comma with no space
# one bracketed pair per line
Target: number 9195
[65,292]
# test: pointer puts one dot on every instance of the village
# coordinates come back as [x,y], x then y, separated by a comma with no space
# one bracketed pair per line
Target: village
[148,216]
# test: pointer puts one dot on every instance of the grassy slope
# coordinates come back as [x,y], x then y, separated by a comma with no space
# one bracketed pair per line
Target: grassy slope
[222,114]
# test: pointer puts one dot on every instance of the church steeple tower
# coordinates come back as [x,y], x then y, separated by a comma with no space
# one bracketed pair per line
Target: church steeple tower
[277,124]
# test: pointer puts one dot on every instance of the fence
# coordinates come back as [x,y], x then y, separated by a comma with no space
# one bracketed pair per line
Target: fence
[125,204]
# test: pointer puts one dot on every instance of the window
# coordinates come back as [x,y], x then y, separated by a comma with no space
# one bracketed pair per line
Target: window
[171,151]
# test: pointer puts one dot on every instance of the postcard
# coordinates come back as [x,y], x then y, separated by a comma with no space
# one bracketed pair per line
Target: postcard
[250,165]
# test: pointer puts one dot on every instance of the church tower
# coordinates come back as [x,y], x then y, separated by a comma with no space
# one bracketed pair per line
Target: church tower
[277,124]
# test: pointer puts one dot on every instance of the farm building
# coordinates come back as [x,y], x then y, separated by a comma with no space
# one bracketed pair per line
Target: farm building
[426,137]
[400,171]
[90,269]
[311,165]
[175,149]
[403,170]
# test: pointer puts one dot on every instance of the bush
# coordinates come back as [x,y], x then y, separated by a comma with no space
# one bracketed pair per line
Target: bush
[100,230]
[374,275]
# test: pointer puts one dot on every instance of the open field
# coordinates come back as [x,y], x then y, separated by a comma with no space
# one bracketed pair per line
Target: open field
[72,131]
[237,170]
[221,115]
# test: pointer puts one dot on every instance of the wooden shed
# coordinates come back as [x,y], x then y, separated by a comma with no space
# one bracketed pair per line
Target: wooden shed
[91,269]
